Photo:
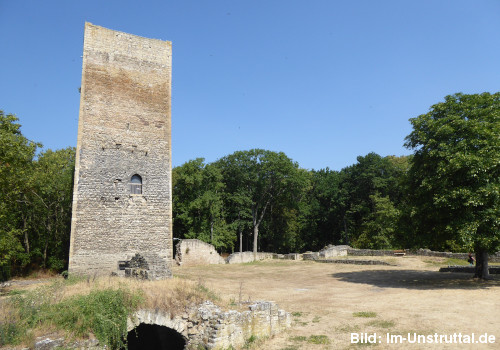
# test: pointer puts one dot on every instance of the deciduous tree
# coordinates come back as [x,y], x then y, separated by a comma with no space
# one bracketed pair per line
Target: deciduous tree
[454,177]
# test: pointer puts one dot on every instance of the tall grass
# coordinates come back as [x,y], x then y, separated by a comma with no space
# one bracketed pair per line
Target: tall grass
[100,307]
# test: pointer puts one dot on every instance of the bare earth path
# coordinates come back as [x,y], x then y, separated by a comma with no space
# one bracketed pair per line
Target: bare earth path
[330,300]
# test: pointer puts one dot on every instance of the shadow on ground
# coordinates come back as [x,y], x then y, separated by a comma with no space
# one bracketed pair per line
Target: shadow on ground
[413,279]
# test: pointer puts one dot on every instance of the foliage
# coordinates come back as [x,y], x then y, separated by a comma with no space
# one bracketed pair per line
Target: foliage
[16,169]
[259,191]
[454,179]
[198,205]
[261,179]
[35,202]
[102,312]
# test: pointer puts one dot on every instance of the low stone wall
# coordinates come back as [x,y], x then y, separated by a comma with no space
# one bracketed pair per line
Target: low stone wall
[204,326]
[463,256]
[354,262]
[310,256]
[191,252]
[420,252]
[468,269]
[209,327]
[371,252]
[246,257]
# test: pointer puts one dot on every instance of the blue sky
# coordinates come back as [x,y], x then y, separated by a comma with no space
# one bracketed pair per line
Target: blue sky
[322,81]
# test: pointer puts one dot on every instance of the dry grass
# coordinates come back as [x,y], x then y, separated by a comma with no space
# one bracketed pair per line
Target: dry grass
[172,295]
[83,306]
[326,299]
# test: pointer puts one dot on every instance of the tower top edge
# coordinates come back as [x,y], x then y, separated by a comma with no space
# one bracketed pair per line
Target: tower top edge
[89,27]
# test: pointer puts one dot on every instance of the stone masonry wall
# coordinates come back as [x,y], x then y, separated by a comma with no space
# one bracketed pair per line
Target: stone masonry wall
[190,252]
[123,130]
[207,326]
[246,257]
[203,326]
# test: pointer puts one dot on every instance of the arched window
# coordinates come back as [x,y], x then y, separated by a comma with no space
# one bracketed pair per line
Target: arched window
[136,184]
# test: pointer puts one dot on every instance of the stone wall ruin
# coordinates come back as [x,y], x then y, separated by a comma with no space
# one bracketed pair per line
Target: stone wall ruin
[191,252]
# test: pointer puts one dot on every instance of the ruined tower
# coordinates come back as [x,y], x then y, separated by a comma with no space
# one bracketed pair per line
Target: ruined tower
[122,201]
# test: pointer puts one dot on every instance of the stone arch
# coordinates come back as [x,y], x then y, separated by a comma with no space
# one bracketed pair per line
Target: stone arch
[159,327]
[160,318]
[155,337]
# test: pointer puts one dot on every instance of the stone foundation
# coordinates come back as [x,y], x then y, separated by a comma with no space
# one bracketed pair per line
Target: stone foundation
[246,257]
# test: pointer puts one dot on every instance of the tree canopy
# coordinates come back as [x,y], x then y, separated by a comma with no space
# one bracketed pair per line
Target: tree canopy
[454,178]
[35,201]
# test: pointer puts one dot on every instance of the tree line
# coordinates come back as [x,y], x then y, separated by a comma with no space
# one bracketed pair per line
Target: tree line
[445,196]
[262,200]
[35,202]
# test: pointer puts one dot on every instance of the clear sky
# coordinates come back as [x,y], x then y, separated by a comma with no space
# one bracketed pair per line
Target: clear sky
[322,80]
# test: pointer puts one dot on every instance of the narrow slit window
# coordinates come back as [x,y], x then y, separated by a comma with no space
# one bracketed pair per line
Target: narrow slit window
[136,184]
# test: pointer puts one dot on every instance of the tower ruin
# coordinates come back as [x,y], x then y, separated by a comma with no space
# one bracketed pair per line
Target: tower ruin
[122,199]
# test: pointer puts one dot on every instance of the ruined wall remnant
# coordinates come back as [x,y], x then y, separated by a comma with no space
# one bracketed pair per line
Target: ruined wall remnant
[246,257]
[122,193]
[191,252]
[207,326]
[333,250]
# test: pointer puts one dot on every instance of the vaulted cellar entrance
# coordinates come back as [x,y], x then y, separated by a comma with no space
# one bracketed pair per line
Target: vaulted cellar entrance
[155,337]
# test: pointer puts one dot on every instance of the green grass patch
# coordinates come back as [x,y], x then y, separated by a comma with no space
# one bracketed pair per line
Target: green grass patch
[298,338]
[381,324]
[15,292]
[254,342]
[102,312]
[454,261]
[297,314]
[348,328]
[318,339]
[367,314]
[316,319]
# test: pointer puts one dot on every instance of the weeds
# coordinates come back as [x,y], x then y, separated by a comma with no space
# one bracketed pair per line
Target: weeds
[348,328]
[298,338]
[101,312]
[254,342]
[100,306]
[318,339]
[381,324]
[367,314]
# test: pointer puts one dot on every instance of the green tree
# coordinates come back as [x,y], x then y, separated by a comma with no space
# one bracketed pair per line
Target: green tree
[51,198]
[378,228]
[454,179]
[198,199]
[367,190]
[262,177]
[16,167]
[322,210]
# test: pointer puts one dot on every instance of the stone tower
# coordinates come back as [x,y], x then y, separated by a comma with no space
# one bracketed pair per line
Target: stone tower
[122,201]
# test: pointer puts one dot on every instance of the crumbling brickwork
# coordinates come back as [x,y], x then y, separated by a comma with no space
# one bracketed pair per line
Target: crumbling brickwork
[122,194]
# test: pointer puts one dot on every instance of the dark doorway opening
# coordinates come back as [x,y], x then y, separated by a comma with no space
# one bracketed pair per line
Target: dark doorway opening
[154,337]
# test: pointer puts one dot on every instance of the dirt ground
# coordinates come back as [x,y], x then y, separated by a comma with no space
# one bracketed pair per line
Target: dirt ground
[330,301]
